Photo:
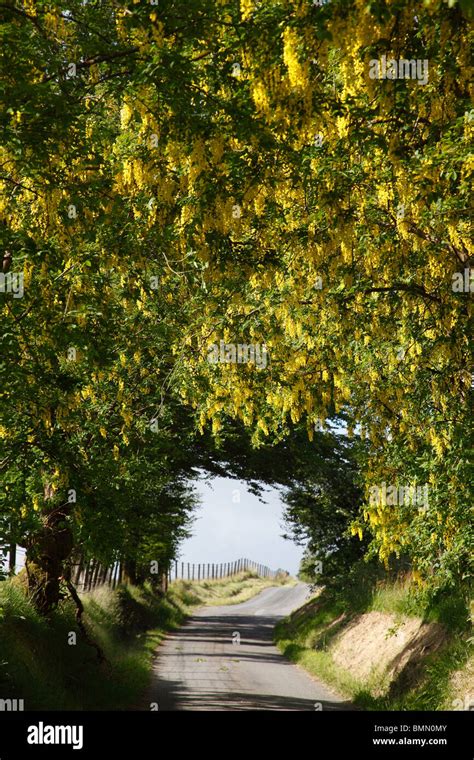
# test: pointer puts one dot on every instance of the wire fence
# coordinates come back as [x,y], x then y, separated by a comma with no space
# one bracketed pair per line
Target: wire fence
[87,575]
[204,571]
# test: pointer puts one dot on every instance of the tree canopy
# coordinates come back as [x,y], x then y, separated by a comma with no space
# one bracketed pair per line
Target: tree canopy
[220,174]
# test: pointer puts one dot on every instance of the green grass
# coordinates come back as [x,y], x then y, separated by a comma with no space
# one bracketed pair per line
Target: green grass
[38,665]
[305,637]
[402,598]
[234,590]
[320,664]
[435,691]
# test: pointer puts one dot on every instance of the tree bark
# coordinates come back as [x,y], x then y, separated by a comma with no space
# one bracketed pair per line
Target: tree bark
[46,552]
[12,559]
[130,574]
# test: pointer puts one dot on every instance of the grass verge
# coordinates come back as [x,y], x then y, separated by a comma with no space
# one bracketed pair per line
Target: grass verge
[308,637]
[47,663]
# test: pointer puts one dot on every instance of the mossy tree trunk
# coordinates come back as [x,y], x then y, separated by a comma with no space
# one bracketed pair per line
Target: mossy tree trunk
[46,552]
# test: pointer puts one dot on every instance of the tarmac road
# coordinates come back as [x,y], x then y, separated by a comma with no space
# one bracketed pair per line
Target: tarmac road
[200,667]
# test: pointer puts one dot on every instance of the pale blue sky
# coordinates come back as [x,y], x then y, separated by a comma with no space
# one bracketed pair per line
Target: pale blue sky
[226,530]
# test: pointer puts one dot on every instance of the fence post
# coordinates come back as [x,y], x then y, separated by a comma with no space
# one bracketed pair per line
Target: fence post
[193,570]
[96,572]
[98,568]
[80,576]
[79,570]
[117,577]
[88,575]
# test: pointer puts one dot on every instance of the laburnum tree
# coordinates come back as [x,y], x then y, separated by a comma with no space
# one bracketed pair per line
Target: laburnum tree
[91,454]
[176,175]
[346,252]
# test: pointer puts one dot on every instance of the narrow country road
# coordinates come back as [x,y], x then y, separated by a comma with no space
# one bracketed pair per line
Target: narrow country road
[200,668]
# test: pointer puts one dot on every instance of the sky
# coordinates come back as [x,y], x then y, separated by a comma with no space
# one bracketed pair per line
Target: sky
[226,529]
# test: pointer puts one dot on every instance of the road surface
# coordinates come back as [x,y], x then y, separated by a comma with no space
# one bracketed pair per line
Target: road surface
[200,667]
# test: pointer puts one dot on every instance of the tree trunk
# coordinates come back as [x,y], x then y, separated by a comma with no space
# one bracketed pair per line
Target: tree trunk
[12,559]
[130,574]
[46,552]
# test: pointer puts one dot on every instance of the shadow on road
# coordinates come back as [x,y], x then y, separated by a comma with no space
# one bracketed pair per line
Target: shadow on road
[199,668]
